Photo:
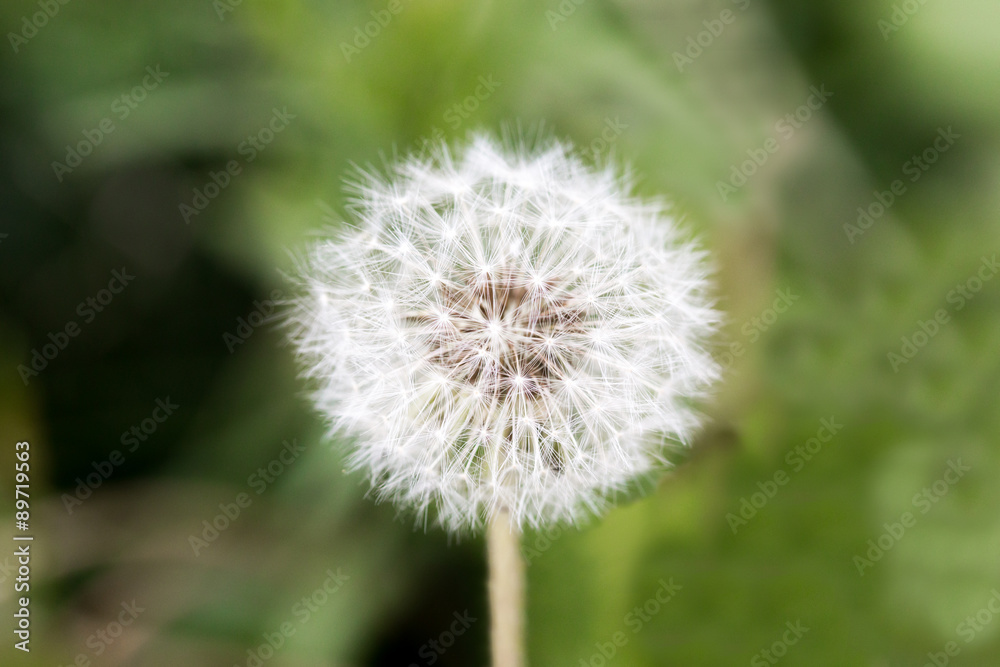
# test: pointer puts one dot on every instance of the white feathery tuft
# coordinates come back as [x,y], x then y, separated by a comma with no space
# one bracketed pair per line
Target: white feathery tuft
[505,329]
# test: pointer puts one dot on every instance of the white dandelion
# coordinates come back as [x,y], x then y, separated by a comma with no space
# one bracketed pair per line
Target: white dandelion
[505,330]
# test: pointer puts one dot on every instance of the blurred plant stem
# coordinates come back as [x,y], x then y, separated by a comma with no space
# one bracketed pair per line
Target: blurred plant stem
[506,592]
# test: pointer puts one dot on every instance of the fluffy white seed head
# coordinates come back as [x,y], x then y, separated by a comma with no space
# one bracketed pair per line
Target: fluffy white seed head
[505,329]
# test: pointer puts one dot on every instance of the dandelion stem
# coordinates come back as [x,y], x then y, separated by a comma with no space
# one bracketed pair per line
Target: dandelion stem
[506,592]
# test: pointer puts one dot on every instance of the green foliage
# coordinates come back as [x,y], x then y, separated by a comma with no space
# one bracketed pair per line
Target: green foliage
[604,75]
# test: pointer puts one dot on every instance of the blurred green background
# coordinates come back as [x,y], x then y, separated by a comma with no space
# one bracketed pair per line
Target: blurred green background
[199,145]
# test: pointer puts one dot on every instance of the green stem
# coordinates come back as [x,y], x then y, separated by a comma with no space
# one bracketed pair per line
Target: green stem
[506,592]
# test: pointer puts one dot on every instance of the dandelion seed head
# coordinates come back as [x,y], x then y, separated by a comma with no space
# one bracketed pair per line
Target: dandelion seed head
[505,329]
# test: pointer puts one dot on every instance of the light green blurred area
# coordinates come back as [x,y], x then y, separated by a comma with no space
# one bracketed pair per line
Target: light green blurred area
[606,76]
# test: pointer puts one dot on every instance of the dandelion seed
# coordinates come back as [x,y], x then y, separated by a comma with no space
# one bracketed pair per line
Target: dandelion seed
[505,331]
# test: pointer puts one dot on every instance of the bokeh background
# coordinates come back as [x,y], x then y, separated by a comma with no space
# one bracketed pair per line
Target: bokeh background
[145,105]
